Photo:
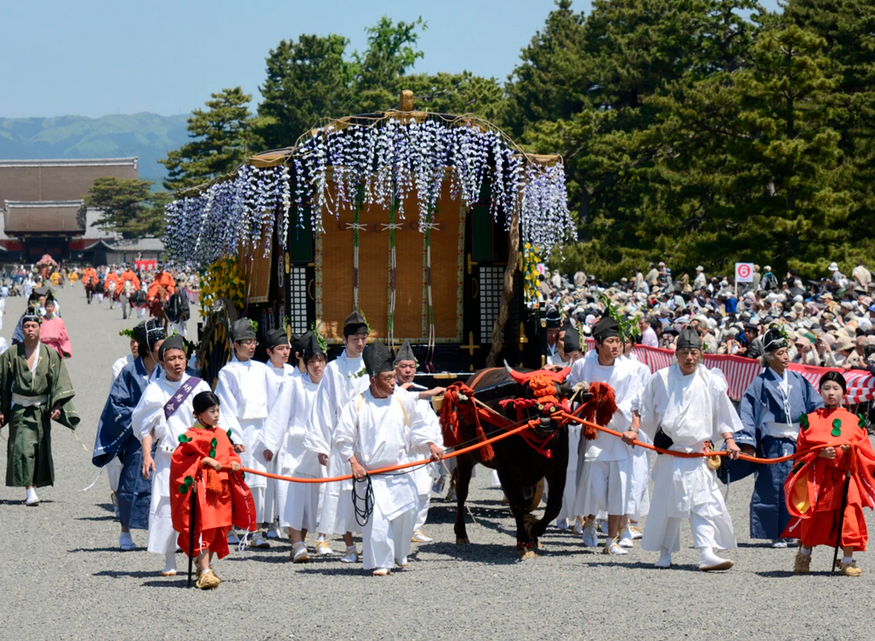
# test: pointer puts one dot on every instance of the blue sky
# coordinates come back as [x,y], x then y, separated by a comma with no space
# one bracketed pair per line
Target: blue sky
[96,57]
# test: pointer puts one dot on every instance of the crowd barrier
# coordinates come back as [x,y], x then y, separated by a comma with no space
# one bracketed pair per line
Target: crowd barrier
[740,371]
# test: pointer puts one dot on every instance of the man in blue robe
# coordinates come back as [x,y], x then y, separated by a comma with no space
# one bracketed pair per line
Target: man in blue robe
[770,411]
[115,436]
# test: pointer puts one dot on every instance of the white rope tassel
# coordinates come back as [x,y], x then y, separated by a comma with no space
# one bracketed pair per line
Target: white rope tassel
[99,474]
[244,543]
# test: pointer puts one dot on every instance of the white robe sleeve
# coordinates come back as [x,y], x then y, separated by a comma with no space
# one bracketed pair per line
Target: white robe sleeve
[320,427]
[300,411]
[725,417]
[148,416]
[227,390]
[346,434]
[277,425]
[575,376]
[648,406]
[421,428]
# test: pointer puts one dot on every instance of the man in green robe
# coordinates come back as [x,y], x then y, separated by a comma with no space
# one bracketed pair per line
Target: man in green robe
[34,390]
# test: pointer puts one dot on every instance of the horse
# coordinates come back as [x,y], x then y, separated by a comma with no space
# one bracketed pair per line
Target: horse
[508,398]
[156,306]
[110,291]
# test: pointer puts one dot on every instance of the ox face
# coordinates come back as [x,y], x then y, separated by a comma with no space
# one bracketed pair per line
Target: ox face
[542,395]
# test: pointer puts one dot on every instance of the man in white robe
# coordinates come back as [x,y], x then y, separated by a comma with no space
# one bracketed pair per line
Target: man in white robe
[284,443]
[278,351]
[569,347]
[299,346]
[639,497]
[405,370]
[379,428]
[682,408]
[604,466]
[344,379]
[242,390]
[163,414]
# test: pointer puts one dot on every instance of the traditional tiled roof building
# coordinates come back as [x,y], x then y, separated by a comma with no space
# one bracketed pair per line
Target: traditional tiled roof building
[43,208]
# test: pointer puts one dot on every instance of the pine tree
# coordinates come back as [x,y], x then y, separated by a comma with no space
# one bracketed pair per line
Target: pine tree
[222,137]
[308,80]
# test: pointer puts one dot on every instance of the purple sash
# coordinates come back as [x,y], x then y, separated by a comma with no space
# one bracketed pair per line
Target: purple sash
[179,397]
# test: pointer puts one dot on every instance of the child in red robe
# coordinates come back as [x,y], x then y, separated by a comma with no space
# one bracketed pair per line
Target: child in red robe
[815,489]
[205,463]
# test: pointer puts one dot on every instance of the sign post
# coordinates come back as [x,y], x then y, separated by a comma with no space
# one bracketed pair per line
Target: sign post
[743,274]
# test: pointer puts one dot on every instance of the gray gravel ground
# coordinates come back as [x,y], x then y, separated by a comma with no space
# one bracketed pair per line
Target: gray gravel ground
[62,576]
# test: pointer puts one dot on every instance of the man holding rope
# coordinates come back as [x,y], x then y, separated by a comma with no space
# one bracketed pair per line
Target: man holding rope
[685,408]
[376,429]
[242,390]
[604,470]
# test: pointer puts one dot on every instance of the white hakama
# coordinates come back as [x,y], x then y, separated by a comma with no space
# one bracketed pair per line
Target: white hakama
[281,377]
[284,437]
[604,465]
[242,392]
[690,410]
[343,380]
[148,418]
[639,480]
[383,432]
[570,492]
[425,475]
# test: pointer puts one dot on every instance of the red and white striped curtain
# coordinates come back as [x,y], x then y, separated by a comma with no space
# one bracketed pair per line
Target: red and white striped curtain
[740,372]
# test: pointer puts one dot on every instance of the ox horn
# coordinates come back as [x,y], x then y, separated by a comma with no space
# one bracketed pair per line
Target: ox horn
[515,375]
[560,376]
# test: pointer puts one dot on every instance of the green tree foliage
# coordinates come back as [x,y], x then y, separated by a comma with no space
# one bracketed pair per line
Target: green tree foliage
[308,80]
[550,83]
[707,137]
[458,93]
[129,207]
[315,78]
[222,136]
[391,53]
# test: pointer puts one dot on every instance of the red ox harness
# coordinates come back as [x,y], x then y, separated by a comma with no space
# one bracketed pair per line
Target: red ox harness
[542,383]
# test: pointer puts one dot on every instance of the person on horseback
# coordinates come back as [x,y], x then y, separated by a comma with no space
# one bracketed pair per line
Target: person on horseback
[129,284]
[160,289]
[111,285]
[89,280]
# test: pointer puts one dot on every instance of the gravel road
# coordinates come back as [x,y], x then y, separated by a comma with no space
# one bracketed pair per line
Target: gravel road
[62,576]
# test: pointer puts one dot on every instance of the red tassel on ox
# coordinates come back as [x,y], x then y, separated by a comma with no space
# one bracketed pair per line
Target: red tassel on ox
[598,409]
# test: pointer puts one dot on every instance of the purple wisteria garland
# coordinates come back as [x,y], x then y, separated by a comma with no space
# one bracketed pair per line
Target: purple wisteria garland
[241,211]
[390,160]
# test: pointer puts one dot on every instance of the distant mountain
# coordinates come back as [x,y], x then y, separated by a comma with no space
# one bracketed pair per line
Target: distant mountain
[145,135]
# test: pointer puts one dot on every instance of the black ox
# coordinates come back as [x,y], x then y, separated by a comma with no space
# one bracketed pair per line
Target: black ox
[521,463]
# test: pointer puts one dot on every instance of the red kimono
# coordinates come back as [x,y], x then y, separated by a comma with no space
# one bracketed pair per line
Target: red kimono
[223,499]
[813,491]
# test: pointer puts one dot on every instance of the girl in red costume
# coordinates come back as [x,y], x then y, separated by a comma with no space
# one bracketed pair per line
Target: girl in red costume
[815,488]
[200,464]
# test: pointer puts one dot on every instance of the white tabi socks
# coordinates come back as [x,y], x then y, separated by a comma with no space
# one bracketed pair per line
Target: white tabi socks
[664,560]
[169,564]
[710,562]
